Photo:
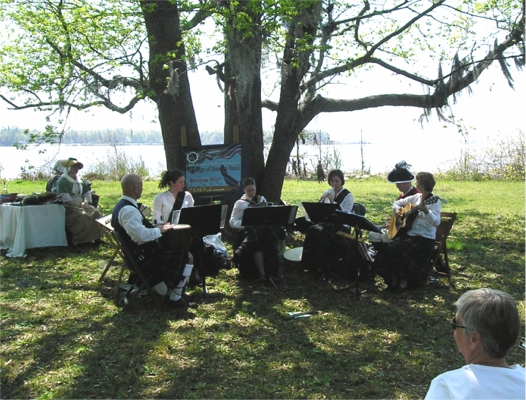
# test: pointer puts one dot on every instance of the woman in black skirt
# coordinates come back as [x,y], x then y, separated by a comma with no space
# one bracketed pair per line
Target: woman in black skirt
[324,249]
[257,256]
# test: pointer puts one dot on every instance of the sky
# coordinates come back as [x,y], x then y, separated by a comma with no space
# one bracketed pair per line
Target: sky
[492,109]
[492,112]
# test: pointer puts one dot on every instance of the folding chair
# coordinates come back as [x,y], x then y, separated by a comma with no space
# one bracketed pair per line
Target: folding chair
[108,233]
[359,209]
[439,263]
[133,266]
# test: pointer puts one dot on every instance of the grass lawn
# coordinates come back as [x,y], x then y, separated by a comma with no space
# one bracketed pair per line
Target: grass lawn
[62,336]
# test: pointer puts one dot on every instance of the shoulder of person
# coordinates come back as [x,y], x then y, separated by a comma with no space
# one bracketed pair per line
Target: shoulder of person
[413,199]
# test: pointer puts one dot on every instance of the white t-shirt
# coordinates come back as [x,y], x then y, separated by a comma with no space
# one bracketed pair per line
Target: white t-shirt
[479,382]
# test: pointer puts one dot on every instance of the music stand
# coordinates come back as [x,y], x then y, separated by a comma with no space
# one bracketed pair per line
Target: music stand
[317,213]
[273,215]
[204,220]
[359,223]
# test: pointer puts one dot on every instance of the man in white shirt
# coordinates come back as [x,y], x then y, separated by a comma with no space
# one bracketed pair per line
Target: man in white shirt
[173,267]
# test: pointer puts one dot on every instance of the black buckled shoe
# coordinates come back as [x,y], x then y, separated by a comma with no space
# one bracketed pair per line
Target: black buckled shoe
[181,303]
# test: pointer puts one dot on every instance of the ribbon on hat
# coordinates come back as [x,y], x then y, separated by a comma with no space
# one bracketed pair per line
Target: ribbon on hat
[402,164]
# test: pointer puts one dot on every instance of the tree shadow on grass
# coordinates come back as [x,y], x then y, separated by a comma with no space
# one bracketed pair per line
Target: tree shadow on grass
[64,338]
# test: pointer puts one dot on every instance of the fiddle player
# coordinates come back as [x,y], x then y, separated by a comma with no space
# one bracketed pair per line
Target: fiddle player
[405,262]
[257,256]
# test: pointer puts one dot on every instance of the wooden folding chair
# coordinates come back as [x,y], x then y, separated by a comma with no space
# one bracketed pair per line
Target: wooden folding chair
[134,267]
[439,258]
[108,233]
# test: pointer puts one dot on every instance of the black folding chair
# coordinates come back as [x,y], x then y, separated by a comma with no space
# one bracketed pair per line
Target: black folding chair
[134,267]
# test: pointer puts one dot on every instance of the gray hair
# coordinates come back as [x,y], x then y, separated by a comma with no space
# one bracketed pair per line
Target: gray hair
[494,315]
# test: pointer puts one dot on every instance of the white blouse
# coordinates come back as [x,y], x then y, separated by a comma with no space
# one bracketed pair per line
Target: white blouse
[163,204]
[239,208]
[425,225]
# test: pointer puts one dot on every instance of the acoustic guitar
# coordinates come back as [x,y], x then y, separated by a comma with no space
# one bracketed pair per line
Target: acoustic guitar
[399,224]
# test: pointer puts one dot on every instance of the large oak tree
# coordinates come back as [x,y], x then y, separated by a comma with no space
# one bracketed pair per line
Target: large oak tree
[59,55]
[317,43]
[84,53]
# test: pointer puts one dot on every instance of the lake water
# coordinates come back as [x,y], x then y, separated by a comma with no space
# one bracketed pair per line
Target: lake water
[378,158]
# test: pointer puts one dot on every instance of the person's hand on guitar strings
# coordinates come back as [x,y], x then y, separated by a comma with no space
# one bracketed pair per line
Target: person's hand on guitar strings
[422,207]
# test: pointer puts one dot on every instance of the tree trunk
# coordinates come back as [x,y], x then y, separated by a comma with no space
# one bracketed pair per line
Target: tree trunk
[243,116]
[289,121]
[169,78]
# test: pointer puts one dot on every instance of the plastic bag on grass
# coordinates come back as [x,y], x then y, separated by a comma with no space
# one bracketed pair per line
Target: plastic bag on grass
[215,254]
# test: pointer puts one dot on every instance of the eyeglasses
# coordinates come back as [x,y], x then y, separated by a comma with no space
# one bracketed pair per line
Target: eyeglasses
[454,324]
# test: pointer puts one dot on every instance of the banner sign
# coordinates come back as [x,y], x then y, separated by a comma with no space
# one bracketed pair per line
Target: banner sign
[213,169]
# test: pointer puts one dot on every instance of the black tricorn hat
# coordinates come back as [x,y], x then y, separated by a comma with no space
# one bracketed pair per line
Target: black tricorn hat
[401,173]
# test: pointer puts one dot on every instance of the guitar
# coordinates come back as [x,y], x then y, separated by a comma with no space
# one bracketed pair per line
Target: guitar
[400,224]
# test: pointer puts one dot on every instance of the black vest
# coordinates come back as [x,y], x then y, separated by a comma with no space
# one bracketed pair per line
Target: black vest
[343,193]
[144,249]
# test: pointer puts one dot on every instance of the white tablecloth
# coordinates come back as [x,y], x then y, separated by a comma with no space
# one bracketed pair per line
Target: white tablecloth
[27,227]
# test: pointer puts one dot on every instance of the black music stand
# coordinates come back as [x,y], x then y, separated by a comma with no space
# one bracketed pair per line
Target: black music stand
[204,220]
[318,213]
[272,215]
[359,223]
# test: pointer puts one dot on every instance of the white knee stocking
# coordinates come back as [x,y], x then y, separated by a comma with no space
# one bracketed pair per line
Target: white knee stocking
[178,291]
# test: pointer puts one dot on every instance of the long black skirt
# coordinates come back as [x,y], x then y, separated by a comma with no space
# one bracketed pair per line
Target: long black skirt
[325,251]
[262,238]
[406,257]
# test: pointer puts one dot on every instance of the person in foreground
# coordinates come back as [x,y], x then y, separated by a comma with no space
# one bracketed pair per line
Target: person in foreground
[405,263]
[257,256]
[485,326]
[75,193]
[175,198]
[173,267]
